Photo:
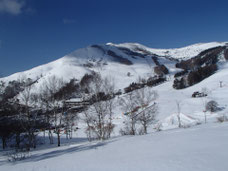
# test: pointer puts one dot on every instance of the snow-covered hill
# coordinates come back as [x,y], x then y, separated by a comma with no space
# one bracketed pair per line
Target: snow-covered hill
[115,60]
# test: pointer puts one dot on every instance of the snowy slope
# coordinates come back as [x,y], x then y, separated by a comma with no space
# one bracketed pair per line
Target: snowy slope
[75,65]
[202,148]
[192,109]
[177,53]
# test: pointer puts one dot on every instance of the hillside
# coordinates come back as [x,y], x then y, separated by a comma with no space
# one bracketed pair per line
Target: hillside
[113,60]
[117,60]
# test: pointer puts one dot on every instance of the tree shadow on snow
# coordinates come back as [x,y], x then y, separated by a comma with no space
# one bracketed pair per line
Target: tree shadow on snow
[58,152]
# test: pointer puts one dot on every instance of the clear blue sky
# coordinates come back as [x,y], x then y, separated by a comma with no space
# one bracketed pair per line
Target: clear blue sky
[34,32]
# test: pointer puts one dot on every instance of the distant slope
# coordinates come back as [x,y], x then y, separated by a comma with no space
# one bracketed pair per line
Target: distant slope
[177,53]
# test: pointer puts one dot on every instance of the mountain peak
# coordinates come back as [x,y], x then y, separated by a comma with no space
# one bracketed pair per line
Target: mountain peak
[116,60]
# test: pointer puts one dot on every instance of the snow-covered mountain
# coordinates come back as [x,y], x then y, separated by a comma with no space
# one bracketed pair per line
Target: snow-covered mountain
[200,147]
[123,62]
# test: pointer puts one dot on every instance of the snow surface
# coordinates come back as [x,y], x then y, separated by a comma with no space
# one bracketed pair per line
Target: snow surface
[199,148]
[176,53]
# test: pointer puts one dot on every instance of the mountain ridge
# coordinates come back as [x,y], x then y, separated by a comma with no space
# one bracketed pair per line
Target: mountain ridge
[117,60]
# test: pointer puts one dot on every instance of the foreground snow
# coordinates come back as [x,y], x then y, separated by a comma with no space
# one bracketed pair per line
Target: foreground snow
[202,147]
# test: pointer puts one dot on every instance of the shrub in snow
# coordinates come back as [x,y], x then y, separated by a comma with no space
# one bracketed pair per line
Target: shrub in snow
[158,126]
[222,119]
[212,106]
[18,156]
[126,130]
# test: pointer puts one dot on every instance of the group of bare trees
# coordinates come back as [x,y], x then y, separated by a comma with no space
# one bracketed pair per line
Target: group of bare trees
[52,98]
[28,111]
[98,116]
[45,103]
[140,108]
[31,110]
[18,115]
[51,87]
[28,101]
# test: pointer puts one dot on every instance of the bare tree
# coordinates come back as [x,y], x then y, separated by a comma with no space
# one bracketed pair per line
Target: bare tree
[178,113]
[128,104]
[147,115]
[44,97]
[69,119]
[138,108]
[109,88]
[52,86]
[25,99]
[98,116]
[28,115]
[88,119]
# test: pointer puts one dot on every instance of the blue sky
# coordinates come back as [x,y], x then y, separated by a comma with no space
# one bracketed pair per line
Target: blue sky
[34,32]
